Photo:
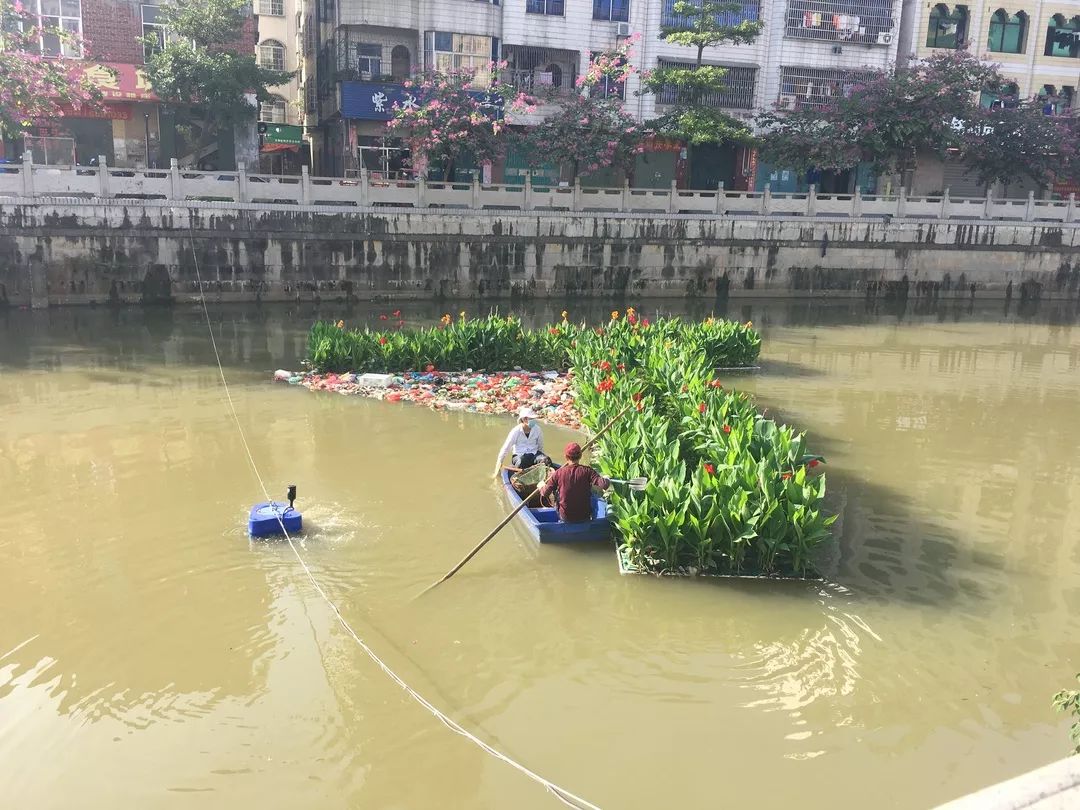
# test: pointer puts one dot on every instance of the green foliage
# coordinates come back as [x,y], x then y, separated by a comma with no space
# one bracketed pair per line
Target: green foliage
[1007,145]
[886,119]
[499,344]
[201,69]
[708,23]
[1068,700]
[729,491]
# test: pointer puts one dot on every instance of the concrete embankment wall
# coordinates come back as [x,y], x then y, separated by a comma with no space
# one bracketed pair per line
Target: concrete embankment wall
[80,252]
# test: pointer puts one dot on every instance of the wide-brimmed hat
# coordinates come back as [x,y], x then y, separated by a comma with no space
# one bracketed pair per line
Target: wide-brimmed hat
[527,413]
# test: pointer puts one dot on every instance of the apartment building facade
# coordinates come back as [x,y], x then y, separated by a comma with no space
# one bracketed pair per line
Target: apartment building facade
[809,49]
[1035,44]
[132,128]
[282,148]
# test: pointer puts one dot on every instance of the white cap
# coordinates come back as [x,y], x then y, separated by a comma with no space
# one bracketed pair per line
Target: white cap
[527,413]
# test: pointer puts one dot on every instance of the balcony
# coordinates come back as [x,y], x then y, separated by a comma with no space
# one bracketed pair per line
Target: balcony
[738,92]
[864,22]
[540,70]
[802,87]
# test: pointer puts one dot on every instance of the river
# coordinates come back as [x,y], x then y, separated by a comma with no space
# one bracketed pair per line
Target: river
[152,656]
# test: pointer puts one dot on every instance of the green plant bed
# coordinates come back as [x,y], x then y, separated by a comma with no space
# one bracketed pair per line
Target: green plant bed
[728,491]
[658,569]
[499,343]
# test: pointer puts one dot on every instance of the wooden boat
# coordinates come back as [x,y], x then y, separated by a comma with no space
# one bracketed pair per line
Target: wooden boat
[545,527]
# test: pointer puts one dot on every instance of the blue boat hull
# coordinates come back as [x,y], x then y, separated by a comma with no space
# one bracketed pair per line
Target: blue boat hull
[267,518]
[545,527]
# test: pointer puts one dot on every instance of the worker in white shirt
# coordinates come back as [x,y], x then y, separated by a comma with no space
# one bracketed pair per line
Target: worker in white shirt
[525,441]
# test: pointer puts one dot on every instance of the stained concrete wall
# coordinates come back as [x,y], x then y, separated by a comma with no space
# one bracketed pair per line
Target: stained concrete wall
[79,253]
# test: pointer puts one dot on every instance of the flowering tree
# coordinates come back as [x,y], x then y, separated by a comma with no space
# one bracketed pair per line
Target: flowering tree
[1007,145]
[446,118]
[31,84]
[885,119]
[701,24]
[589,129]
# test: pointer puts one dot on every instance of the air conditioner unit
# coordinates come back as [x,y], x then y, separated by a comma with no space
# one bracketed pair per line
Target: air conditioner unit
[622,30]
[884,38]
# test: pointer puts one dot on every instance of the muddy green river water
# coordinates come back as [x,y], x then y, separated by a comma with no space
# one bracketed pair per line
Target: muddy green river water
[152,657]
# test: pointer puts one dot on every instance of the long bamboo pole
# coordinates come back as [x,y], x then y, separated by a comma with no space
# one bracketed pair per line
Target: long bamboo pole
[518,508]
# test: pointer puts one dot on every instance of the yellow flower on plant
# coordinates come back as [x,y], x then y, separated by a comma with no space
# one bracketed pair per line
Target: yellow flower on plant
[564,314]
[446,319]
[709,321]
[614,314]
[749,324]
[341,324]
[462,314]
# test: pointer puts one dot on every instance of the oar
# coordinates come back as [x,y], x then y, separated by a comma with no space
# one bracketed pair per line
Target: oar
[518,508]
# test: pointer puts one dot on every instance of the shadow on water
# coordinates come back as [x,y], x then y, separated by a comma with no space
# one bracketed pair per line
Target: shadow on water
[259,338]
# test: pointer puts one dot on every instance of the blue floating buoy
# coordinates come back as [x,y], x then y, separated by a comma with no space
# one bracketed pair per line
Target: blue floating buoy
[267,518]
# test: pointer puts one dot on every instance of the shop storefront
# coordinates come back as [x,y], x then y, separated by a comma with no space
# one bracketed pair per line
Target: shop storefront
[281,148]
[365,109]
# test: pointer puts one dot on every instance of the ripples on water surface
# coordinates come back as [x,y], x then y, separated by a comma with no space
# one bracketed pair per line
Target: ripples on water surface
[151,656]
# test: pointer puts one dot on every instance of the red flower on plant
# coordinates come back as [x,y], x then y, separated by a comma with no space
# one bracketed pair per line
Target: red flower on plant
[396,313]
[605,385]
[640,407]
[644,321]
[727,429]
[382,341]
[710,469]
[553,331]
[631,318]
[383,317]
[637,396]
[621,367]
[599,330]
[430,367]
[605,365]
[813,463]
[702,408]
[786,476]
[715,384]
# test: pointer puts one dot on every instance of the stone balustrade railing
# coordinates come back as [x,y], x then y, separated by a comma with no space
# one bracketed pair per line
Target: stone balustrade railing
[28,181]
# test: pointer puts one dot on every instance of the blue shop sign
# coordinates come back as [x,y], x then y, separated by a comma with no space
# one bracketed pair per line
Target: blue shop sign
[374,101]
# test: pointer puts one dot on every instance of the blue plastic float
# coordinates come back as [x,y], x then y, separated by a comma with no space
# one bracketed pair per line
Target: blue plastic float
[268,518]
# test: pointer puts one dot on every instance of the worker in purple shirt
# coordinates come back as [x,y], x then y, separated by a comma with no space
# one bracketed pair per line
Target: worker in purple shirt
[573,483]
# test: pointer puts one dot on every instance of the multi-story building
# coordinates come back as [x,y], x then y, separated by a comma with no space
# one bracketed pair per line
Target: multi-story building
[1035,43]
[282,148]
[132,128]
[809,50]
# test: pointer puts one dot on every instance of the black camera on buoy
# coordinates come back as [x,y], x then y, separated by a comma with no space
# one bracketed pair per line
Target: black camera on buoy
[272,519]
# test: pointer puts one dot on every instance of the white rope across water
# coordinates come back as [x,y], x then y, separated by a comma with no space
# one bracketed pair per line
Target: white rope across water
[562,794]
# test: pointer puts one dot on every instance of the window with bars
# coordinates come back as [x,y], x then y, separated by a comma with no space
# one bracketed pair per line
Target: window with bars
[271,8]
[817,87]
[750,12]
[272,111]
[738,92]
[58,16]
[153,28]
[613,10]
[272,55]
[862,21]
[552,8]
[446,51]
[369,60]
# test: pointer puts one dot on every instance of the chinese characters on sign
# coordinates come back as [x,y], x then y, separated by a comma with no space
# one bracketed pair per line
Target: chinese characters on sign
[120,82]
[377,101]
